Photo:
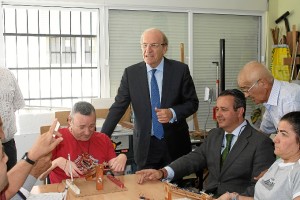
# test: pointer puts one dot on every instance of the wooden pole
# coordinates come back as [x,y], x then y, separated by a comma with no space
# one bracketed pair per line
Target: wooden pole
[195,118]
[182,52]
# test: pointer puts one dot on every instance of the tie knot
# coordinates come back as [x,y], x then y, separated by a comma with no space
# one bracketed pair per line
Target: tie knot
[229,136]
[153,71]
[227,148]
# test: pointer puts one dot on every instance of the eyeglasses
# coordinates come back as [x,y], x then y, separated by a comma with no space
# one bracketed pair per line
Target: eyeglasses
[153,45]
[247,91]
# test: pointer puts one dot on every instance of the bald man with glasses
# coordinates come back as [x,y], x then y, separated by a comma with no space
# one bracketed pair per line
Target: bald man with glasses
[278,97]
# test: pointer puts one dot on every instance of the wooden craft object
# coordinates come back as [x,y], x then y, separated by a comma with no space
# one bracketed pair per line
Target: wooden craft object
[116,181]
[174,189]
[99,177]
[73,187]
[87,188]
[90,175]
[168,193]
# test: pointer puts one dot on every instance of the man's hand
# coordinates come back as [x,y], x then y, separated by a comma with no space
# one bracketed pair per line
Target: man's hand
[64,165]
[225,196]
[148,175]
[41,166]
[164,115]
[118,163]
[45,143]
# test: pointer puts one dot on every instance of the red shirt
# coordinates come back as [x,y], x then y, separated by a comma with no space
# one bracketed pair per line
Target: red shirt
[84,154]
[2,195]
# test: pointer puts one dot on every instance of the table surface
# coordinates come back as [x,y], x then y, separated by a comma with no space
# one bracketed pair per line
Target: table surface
[153,190]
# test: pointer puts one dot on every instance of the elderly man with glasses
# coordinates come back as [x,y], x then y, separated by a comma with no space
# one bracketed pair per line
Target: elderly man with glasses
[162,94]
[278,97]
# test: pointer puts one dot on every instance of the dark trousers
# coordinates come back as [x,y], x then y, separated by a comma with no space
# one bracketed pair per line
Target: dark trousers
[158,155]
[11,152]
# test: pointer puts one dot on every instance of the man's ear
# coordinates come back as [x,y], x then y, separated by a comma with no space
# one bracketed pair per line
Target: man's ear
[69,120]
[241,111]
[262,82]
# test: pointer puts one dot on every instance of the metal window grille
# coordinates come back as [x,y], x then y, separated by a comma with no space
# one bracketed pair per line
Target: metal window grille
[53,53]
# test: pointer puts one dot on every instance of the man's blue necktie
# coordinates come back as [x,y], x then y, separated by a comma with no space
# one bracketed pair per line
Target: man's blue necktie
[155,103]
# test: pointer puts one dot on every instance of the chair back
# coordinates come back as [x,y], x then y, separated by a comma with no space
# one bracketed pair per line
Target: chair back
[62,117]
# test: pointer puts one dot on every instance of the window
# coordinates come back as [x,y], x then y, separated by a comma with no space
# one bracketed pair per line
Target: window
[124,38]
[62,49]
[53,53]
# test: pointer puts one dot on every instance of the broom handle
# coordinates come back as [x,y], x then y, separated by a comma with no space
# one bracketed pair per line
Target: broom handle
[182,52]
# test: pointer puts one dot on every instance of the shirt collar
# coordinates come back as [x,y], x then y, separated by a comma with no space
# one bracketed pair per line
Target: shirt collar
[239,129]
[160,67]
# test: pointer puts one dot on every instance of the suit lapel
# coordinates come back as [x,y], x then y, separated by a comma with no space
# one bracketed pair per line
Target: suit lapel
[215,155]
[237,148]
[167,81]
[142,80]
[217,152]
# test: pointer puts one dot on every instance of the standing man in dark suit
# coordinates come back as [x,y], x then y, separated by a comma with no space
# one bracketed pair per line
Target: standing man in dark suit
[178,100]
[250,152]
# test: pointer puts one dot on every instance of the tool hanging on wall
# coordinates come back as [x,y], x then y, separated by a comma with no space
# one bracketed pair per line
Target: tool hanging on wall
[294,57]
[286,21]
[217,79]
[275,36]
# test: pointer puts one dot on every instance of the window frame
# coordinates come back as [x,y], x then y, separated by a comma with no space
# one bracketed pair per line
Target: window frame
[80,39]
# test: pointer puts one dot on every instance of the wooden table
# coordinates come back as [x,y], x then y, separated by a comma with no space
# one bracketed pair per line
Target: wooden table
[153,190]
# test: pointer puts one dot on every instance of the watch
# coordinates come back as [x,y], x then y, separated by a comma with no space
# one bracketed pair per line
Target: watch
[27,159]
[164,173]
[236,197]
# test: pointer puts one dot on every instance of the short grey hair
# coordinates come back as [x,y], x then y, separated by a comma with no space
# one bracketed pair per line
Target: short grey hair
[82,107]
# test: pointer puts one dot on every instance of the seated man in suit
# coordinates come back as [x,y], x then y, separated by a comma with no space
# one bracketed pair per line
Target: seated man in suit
[232,161]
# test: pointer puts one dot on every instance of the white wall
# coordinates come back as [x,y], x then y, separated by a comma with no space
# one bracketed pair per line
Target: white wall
[250,5]
[28,126]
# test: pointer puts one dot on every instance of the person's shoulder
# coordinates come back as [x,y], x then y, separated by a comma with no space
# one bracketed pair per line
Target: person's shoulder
[65,132]
[214,131]
[5,71]
[297,166]
[258,135]
[289,87]
[101,136]
[136,65]
[175,63]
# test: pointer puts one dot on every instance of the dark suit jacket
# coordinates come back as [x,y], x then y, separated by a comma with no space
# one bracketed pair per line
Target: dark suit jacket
[178,92]
[252,153]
